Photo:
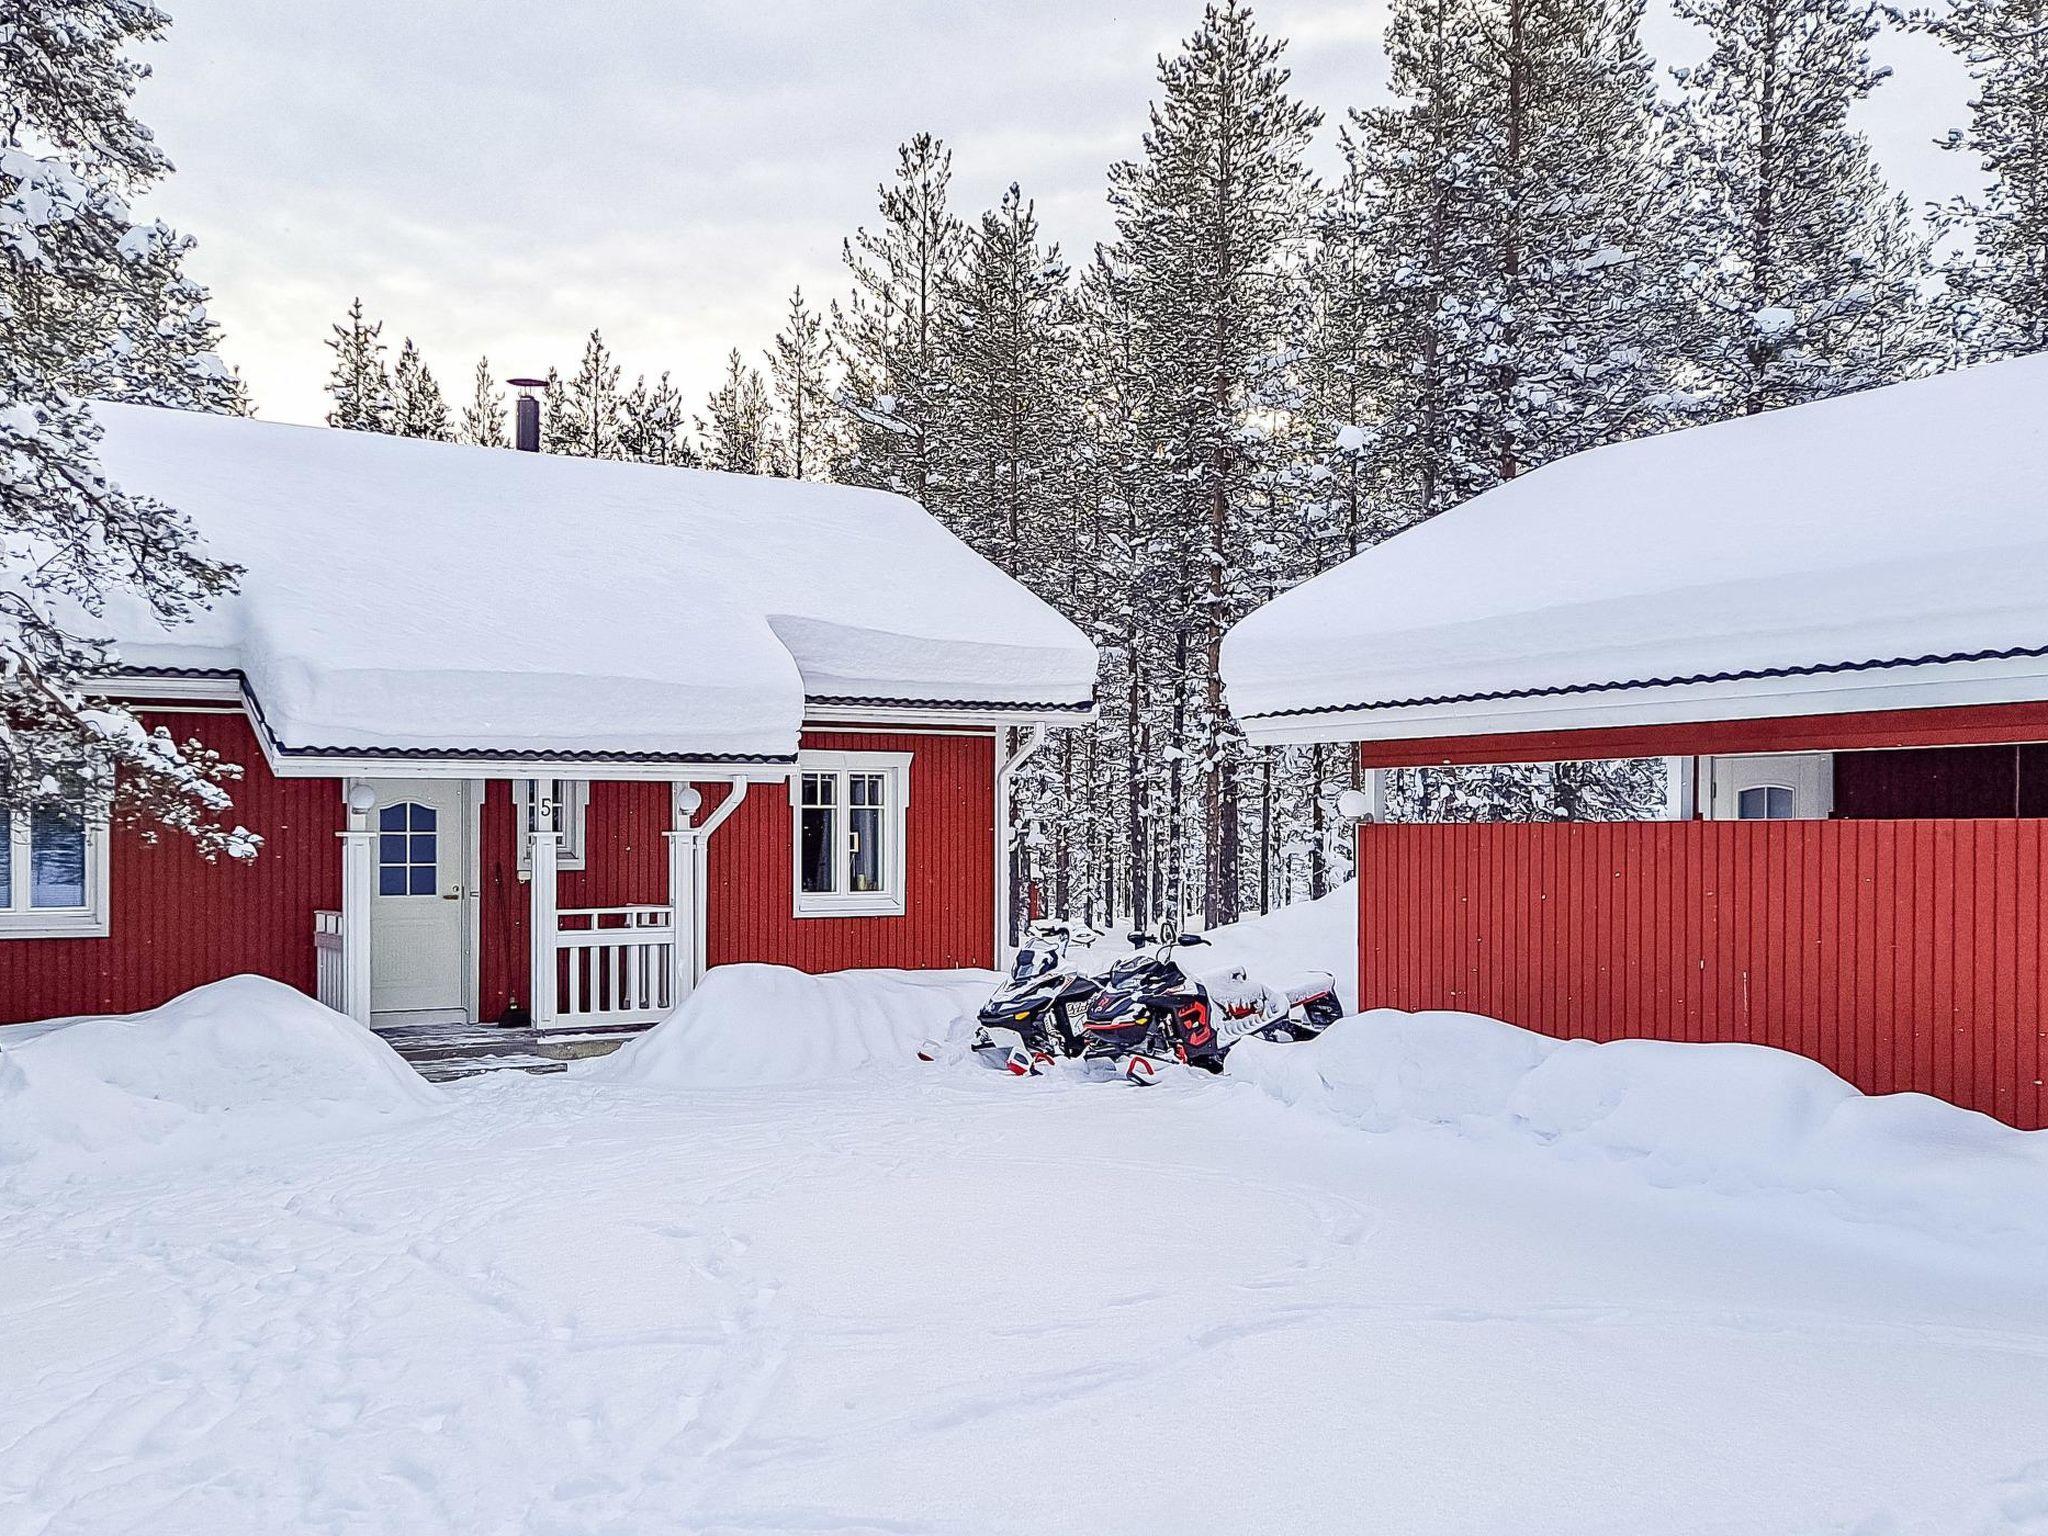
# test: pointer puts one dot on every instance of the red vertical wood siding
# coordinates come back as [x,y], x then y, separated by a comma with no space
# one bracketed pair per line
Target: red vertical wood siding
[1900,954]
[949,910]
[176,921]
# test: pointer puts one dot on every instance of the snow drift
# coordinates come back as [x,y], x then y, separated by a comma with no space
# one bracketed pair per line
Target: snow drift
[1732,1118]
[748,1025]
[241,1064]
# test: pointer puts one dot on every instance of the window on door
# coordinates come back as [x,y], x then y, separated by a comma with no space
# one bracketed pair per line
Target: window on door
[849,810]
[408,850]
[53,871]
[1766,802]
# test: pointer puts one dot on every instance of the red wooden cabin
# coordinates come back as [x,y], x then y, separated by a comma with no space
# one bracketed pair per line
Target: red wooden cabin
[1832,624]
[544,737]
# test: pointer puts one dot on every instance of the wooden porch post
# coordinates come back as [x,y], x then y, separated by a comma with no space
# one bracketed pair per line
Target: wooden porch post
[684,891]
[358,891]
[545,847]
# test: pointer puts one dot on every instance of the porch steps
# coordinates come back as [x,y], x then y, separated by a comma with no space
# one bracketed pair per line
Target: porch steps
[448,1052]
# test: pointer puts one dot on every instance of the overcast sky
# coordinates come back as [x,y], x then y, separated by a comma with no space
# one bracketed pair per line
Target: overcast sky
[502,177]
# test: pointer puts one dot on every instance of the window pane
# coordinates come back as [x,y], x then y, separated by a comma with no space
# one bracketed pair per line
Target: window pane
[390,848]
[423,848]
[56,859]
[820,789]
[422,818]
[1765,802]
[816,856]
[391,880]
[864,872]
[1780,804]
[391,819]
[423,880]
[864,789]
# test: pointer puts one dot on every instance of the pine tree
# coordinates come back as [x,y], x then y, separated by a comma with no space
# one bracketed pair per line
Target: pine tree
[1007,432]
[800,368]
[651,426]
[162,346]
[358,384]
[739,425]
[484,418]
[418,408]
[1995,279]
[583,418]
[889,335]
[1803,284]
[71,152]
[1211,222]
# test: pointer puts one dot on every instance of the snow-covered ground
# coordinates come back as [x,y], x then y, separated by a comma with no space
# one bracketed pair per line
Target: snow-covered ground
[904,1299]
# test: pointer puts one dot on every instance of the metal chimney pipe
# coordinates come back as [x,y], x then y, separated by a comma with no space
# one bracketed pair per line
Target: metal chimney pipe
[526,414]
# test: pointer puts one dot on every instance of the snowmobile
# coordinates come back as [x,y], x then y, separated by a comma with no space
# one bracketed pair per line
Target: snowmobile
[1033,1018]
[1150,1012]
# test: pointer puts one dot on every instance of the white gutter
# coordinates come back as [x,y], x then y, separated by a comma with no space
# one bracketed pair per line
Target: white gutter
[1006,770]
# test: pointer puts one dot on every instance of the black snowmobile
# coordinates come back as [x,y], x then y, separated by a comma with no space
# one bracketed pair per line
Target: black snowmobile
[1034,1018]
[1150,1012]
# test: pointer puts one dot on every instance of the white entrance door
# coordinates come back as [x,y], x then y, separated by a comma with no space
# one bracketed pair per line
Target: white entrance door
[418,915]
[1789,786]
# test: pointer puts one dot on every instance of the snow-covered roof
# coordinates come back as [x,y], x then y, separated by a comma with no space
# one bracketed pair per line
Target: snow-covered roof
[1883,550]
[416,598]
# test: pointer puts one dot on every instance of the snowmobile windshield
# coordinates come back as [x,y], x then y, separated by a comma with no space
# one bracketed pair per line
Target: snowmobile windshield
[1032,963]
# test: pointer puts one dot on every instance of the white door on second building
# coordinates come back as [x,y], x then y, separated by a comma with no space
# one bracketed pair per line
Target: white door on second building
[418,916]
[1786,786]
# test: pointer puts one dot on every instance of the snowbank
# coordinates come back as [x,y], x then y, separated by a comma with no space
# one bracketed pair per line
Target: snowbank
[241,1064]
[747,1025]
[1732,1118]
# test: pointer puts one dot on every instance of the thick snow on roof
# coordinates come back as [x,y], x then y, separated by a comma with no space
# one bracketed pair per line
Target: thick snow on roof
[424,596]
[1841,555]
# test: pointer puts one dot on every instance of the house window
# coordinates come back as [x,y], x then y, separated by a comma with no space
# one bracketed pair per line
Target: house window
[1765,802]
[849,810]
[408,850]
[53,873]
[561,804]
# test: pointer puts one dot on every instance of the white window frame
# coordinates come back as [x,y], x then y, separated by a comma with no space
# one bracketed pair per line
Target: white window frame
[894,768]
[572,818]
[21,921]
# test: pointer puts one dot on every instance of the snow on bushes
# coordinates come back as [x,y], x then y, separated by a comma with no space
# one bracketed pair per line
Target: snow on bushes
[244,1064]
[1733,1118]
[747,1025]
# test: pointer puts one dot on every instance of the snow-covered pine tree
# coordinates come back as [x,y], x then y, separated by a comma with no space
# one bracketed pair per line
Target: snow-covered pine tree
[582,418]
[1007,433]
[1803,284]
[651,424]
[1994,301]
[1211,223]
[889,334]
[418,408]
[800,372]
[484,418]
[162,346]
[359,384]
[70,150]
[739,425]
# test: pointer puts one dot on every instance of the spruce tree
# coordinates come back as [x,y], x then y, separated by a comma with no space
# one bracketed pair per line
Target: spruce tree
[358,383]
[418,408]
[739,425]
[800,370]
[162,347]
[890,333]
[1995,277]
[484,418]
[1802,281]
[1211,221]
[71,154]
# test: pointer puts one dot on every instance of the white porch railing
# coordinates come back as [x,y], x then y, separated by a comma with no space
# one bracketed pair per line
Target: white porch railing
[612,966]
[331,967]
